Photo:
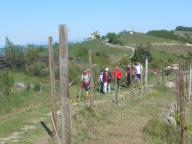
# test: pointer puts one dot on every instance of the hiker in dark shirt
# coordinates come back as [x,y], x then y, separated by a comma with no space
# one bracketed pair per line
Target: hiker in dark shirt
[128,75]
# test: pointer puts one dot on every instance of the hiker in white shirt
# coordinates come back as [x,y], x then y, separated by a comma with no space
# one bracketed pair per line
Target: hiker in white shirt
[139,71]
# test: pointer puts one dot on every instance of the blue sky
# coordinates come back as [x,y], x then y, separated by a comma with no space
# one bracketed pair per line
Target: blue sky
[32,21]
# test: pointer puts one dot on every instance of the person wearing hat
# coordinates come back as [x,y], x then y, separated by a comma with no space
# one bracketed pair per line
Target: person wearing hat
[107,80]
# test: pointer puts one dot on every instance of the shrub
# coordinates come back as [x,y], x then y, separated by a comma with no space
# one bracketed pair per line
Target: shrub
[141,52]
[6,83]
[37,87]
[36,69]
[114,39]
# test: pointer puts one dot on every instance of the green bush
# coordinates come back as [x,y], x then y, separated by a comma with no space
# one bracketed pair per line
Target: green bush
[37,87]
[114,38]
[36,69]
[6,83]
[141,53]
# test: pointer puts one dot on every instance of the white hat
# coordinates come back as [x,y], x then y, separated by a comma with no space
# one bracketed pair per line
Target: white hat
[106,69]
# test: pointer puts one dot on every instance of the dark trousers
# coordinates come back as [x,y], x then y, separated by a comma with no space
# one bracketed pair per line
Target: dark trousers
[118,83]
[128,79]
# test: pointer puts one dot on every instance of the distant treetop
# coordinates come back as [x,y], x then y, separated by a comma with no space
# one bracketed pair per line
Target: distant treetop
[183,28]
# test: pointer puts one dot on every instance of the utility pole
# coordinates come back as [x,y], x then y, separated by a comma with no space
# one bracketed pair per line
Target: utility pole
[52,83]
[64,88]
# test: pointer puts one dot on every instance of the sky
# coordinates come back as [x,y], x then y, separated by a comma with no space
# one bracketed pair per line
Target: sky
[32,21]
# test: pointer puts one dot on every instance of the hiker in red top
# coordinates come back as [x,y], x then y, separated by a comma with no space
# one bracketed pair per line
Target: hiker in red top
[117,75]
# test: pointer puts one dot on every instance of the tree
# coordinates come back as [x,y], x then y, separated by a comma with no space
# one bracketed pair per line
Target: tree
[141,52]
[113,38]
[6,83]
[9,52]
[14,54]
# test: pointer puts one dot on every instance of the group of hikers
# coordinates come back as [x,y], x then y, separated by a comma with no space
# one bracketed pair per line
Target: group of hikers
[133,73]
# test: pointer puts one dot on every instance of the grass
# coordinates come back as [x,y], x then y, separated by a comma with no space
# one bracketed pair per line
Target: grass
[140,38]
[156,131]
[173,50]
[109,123]
[160,56]
[24,107]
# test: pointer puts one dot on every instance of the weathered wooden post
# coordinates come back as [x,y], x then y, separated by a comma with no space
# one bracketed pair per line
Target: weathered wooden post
[177,89]
[182,106]
[91,79]
[190,76]
[146,72]
[64,88]
[162,72]
[52,84]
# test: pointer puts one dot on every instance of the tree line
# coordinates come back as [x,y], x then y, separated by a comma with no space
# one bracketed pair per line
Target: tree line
[169,35]
[183,28]
[25,58]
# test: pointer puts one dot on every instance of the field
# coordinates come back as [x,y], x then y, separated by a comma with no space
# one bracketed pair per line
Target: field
[138,118]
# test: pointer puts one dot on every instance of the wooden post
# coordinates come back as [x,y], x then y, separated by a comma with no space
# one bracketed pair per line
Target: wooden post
[146,72]
[91,79]
[163,77]
[141,80]
[64,88]
[190,76]
[177,89]
[182,107]
[52,83]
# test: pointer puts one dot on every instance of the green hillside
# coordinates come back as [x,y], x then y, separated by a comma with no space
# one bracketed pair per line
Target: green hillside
[186,34]
[140,38]
[25,106]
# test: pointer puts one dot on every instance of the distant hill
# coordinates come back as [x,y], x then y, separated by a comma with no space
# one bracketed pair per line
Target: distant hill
[185,34]
[183,28]
[173,35]
[136,38]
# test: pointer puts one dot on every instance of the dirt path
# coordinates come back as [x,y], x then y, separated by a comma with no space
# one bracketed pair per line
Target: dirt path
[122,47]
[123,125]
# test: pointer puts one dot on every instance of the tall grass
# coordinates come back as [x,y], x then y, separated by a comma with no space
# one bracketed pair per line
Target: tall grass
[159,132]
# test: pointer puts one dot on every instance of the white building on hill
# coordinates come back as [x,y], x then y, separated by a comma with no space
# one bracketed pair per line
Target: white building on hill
[94,35]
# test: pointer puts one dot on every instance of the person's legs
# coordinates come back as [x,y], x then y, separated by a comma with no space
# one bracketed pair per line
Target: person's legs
[109,88]
[105,87]
[118,83]
[128,80]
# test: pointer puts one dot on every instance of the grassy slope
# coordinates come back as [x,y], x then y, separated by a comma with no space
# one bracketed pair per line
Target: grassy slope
[25,108]
[30,106]
[183,33]
[140,38]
